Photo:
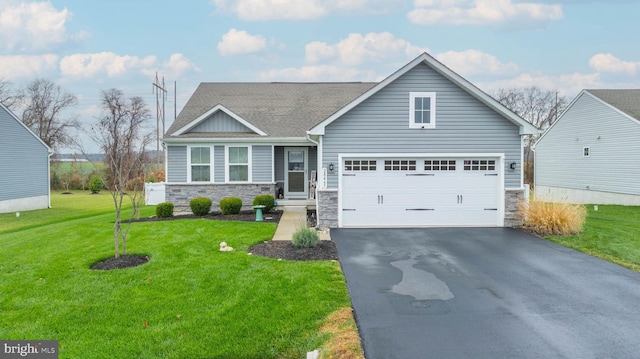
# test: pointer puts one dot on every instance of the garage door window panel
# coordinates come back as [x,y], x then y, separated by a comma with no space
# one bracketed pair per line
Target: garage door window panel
[439,165]
[479,165]
[360,165]
[400,165]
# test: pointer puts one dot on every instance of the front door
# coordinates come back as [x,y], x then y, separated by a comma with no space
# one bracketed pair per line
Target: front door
[296,162]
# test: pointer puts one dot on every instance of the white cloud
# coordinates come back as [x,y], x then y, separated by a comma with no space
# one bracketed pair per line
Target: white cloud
[567,84]
[320,73]
[177,65]
[357,49]
[257,10]
[471,62]
[262,10]
[480,12]
[17,66]
[90,65]
[610,63]
[26,26]
[236,42]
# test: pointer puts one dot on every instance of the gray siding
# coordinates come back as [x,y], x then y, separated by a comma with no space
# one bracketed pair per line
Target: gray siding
[279,163]
[24,161]
[463,125]
[176,163]
[220,122]
[261,163]
[218,169]
[614,141]
[313,160]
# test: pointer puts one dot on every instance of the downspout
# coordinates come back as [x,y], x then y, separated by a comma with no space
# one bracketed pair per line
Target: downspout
[50,153]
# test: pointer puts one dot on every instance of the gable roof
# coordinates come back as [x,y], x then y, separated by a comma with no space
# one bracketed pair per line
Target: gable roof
[276,109]
[627,101]
[525,127]
[13,115]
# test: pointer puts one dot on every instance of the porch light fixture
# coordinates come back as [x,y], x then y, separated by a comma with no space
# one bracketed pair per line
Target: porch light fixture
[512,166]
[331,167]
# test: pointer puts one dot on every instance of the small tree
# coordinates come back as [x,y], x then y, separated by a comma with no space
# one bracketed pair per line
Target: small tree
[121,135]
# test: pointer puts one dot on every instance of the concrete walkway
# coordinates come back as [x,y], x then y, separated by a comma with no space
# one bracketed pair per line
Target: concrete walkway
[293,218]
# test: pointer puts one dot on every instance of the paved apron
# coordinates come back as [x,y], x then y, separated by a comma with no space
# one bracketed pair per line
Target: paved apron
[485,293]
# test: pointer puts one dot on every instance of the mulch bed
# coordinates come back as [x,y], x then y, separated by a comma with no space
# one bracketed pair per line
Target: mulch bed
[244,216]
[325,250]
[124,261]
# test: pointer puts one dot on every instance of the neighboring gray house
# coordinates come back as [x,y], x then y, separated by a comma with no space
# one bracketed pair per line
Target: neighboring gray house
[424,147]
[24,166]
[591,154]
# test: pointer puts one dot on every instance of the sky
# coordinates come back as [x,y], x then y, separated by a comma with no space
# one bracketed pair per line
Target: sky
[87,46]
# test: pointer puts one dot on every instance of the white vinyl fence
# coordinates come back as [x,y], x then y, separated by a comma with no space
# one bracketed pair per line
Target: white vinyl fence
[153,193]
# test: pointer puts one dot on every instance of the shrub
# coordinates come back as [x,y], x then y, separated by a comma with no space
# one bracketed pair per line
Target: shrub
[200,206]
[164,210]
[266,200]
[550,218]
[305,238]
[230,205]
[95,184]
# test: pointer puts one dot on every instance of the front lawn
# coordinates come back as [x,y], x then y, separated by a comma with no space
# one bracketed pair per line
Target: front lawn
[189,301]
[611,233]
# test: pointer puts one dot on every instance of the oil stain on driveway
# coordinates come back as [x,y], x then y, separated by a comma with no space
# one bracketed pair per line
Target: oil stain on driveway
[485,293]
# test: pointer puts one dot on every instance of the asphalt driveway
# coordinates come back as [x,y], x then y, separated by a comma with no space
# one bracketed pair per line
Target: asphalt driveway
[485,293]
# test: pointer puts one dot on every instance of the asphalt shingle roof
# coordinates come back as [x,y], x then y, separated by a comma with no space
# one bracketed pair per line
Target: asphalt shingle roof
[627,101]
[282,109]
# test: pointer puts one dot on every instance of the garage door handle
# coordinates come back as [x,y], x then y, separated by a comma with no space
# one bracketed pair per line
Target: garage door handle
[348,174]
[459,198]
[490,209]
[420,174]
[419,209]
[349,209]
[490,174]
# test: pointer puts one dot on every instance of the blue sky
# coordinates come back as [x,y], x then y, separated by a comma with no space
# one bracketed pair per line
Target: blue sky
[86,46]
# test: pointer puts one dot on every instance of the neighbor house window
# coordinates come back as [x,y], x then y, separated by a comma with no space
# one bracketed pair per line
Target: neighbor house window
[238,161]
[422,109]
[200,164]
[585,152]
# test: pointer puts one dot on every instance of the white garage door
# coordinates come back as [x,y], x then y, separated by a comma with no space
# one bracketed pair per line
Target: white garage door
[406,192]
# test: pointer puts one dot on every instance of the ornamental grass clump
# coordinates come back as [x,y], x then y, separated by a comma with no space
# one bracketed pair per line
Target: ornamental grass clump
[305,238]
[200,206]
[164,210]
[553,218]
[230,205]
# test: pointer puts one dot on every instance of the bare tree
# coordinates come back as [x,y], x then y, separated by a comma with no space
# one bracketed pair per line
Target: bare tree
[538,107]
[121,135]
[44,114]
[9,98]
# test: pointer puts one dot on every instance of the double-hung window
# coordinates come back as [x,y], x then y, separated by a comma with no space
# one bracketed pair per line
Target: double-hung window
[422,110]
[238,162]
[200,164]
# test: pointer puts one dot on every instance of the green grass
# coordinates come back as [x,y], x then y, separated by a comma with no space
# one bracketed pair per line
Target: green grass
[189,301]
[611,233]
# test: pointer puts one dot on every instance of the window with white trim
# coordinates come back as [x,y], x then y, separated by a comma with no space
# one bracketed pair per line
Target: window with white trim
[422,110]
[200,161]
[238,164]
[586,151]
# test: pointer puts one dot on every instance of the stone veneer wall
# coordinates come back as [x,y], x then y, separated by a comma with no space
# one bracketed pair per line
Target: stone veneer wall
[511,200]
[327,208]
[181,194]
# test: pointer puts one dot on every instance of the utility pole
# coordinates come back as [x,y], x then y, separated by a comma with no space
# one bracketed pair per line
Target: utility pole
[160,91]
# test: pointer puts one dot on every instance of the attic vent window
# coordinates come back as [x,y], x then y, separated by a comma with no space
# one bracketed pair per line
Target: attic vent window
[585,151]
[422,110]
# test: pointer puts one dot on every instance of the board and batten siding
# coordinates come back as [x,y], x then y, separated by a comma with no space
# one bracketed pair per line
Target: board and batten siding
[380,124]
[262,163]
[177,164]
[24,161]
[220,122]
[613,139]
[218,164]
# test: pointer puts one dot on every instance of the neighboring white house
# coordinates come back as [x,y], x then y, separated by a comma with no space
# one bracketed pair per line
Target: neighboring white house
[24,166]
[591,154]
[423,147]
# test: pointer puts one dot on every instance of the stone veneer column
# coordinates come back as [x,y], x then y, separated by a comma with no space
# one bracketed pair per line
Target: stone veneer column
[327,208]
[181,194]
[511,200]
